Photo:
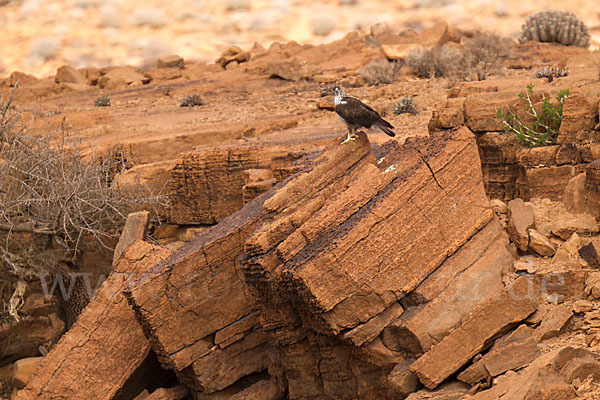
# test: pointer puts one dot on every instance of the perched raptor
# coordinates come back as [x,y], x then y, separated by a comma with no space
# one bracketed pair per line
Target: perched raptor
[357,114]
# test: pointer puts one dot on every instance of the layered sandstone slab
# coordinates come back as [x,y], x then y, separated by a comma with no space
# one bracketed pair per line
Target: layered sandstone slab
[102,350]
[512,305]
[196,311]
[343,243]
[207,185]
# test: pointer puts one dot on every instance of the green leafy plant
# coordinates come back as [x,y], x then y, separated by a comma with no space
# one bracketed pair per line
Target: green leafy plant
[543,130]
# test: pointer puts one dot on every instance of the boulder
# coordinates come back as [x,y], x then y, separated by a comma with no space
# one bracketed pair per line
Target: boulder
[68,74]
[537,156]
[466,279]
[553,322]
[592,188]
[402,380]
[206,185]
[574,195]
[122,76]
[514,350]
[520,219]
[208,342]
[19,339]
[548,182]
[232,54]
[136,228]
[292,70]
[567,225]
[580,113]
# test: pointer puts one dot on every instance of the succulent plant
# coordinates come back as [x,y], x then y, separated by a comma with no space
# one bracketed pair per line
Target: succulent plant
[191,101]
[406,105]
[550,73]
[102,101]
[555,26]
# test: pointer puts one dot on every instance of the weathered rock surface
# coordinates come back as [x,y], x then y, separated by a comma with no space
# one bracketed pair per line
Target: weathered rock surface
[515,350]
[512,305]
[520,219]
[104,348]
[209,343]
[208,185]
[23,370]
[342,253]
[540,244]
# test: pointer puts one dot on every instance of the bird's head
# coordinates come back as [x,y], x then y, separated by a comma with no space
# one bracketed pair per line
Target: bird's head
[337,94]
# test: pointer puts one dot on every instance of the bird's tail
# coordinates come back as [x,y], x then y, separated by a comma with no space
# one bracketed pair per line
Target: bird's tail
[386,127]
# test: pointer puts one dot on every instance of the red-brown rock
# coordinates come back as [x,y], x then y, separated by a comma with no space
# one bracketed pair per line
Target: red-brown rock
[514,304]
[105,346]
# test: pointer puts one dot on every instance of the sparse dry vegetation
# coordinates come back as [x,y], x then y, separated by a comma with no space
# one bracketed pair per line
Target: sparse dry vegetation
[191,100]
[440,62]
[406,105]
[483,54]
[102,101]
[53,204]
[380,72]
[546,119]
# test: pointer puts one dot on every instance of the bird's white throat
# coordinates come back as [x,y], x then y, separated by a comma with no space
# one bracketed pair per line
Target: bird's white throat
[337,97]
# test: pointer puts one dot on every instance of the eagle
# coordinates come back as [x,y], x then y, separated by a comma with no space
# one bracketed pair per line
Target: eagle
[356,114]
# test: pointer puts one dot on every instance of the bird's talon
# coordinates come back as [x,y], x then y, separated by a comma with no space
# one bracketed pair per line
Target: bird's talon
[349,139]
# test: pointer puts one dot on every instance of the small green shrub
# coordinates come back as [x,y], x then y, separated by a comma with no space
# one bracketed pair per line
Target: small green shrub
[543,131]
[102,101]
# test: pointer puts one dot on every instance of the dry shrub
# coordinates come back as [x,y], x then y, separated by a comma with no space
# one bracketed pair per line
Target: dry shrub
[482,54]
[485,53]
[53,204]
[439,62]
[379,72]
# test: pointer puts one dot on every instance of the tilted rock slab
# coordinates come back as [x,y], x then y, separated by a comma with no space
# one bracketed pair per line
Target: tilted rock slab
[344,242]
[197,313]
[95,358]
[512,305]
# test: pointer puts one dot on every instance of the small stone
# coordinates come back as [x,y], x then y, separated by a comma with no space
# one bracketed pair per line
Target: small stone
[540,244]
[590,255]
[525,265]
[24,369]
[499,206]
[170,61]
[553,322]
[520,219]
[574,195]
[68,74]
[582,306]
[402,380]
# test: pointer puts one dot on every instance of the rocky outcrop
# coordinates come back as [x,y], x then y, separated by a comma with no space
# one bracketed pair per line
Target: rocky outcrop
[105,347]
[511,171]
[210,184]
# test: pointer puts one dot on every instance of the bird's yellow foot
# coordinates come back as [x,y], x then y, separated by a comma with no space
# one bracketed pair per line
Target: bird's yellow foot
[352,138]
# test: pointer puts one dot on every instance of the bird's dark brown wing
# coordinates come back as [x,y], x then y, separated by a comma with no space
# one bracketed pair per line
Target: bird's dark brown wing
[356,112]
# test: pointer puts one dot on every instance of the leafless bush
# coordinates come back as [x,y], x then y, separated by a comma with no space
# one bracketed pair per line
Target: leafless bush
[482,54]
[53,204]
[406,105]
[191,100]
[485,53]
[379,72]
[438,62]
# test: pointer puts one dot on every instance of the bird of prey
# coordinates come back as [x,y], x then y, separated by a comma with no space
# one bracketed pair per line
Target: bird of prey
[356,114]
